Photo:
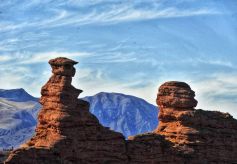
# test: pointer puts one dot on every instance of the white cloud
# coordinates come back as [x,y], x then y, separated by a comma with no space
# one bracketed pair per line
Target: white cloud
[113,57]
[4,58]
[58,15]
[13,77]
[218,92]
[219,62]
[18,74]
[156,14]
[46,56]
[125,13]
[92,82]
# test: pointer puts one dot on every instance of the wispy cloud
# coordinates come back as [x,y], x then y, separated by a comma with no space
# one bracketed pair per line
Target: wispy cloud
[123,13]
[31,58]
[115,57]
[218,62]
[218,92]
[87,79]
[17,76]
[5,58]
[95,13]
[44,57]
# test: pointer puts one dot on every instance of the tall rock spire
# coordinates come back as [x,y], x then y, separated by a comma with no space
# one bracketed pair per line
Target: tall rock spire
[67,132]
[58,100]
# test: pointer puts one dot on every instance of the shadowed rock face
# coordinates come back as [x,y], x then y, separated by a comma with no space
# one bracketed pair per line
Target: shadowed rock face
[68,133]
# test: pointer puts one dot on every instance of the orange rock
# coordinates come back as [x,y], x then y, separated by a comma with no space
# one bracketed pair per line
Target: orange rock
[190,136]
[68,133]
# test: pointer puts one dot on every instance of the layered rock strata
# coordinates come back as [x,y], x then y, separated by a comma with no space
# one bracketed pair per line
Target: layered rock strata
[67,132]
[206,136]
[190,136]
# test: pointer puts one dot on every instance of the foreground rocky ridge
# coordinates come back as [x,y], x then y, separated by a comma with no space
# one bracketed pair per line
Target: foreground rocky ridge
[68,133]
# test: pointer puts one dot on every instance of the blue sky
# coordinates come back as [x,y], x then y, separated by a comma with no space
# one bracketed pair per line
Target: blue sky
[124,46]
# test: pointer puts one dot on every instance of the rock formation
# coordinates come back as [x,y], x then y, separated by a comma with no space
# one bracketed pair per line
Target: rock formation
[189,135]
[207,136]
[67,132]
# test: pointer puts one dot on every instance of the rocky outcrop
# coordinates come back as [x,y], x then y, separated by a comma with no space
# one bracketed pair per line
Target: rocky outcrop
[176,102]
[68,133]
[207,136]
[190,136]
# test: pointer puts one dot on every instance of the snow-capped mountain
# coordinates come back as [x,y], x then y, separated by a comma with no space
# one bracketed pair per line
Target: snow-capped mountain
[123,113]
[18,112]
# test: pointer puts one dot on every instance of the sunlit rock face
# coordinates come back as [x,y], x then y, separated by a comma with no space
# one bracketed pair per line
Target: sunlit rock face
[175,94]
[67,132]
[184,134]
[200,135]
[176,102]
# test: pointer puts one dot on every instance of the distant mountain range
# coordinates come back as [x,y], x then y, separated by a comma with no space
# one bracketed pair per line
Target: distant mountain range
[123,113]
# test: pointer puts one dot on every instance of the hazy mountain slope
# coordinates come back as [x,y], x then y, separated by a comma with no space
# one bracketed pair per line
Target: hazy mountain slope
[18,111]
[19,95]
[123,113]
[126,114]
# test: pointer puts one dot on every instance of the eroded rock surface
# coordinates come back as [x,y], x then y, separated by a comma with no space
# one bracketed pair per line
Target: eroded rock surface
[68,133]
[190,135]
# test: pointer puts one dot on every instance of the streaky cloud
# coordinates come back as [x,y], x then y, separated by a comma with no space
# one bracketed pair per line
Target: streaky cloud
[113,13]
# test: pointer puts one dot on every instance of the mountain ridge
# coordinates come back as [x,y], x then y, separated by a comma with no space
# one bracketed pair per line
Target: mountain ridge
[20,116]
[114,105]
[18,94]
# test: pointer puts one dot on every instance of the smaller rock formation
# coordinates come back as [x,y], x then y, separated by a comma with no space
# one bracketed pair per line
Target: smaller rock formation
[176,101]
[184,134]
[207,136]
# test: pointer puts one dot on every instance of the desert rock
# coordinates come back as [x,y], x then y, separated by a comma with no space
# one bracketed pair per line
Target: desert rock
[68,133]
[184,134]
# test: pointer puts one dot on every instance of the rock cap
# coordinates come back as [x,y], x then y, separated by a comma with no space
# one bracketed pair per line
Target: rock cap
[62,61]
[63,66]
[176,94]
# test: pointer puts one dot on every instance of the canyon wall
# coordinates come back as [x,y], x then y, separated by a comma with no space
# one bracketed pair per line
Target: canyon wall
[68,133]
